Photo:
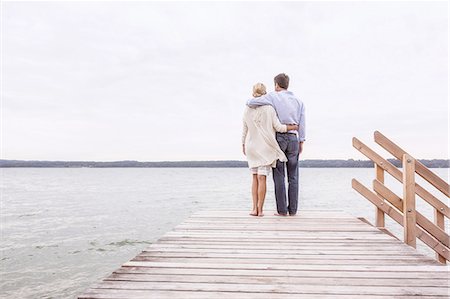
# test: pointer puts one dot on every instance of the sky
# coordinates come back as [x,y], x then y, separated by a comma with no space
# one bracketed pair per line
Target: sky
[160,81]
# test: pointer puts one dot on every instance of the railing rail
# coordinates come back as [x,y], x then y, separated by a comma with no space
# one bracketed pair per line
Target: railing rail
[403,209]
[421,169]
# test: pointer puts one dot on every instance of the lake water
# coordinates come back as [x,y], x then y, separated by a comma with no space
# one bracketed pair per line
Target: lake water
[63,229]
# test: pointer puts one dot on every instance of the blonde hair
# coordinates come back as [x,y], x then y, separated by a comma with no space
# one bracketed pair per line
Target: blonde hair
[259,89]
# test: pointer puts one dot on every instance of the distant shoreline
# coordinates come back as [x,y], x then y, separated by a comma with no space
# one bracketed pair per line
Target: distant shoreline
[350,163]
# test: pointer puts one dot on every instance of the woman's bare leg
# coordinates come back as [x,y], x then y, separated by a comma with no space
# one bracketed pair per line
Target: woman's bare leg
[254,211]
[261,193]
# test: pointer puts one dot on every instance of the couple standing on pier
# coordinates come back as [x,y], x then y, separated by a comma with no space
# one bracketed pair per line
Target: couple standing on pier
[272,139]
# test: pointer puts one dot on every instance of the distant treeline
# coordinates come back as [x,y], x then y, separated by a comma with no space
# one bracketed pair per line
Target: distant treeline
[435,163]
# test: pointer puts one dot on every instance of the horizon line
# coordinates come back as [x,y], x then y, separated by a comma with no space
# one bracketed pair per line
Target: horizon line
[224,160]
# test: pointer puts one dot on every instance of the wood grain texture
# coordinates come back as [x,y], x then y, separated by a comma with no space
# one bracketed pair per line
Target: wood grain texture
[379,214]
[227,254]
[409,201]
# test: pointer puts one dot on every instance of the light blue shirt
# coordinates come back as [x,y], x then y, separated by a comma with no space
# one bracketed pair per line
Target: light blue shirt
[289,108]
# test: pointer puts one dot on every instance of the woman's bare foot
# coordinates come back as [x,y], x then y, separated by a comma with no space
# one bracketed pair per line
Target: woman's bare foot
[254,213]
[260,212]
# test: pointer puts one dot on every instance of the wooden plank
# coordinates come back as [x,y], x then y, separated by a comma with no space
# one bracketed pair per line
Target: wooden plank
[379,250]
[273,226]
[146,294]
[280,289]
[308,244]
[323,251]
[261,228]
[281,262]
[274,259]
[299,217]
[271,222]
[321,267]
[259,244]
[301,235]
[303,213]
[261,241]
[264,257]
[238,279]
[265,219]
[282,249]
[421,169]
[241,215]
[397,174]
[396,275]
[311,235]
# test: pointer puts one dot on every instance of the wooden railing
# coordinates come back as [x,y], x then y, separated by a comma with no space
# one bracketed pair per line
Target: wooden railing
[403,209]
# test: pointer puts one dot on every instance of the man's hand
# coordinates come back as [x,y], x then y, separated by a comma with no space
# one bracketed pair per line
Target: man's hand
[243,149]
[292,127]
[300,147]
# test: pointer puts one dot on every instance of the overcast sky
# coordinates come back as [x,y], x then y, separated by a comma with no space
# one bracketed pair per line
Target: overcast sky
[154,81]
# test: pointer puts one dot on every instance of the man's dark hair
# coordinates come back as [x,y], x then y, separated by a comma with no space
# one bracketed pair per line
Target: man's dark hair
[282,80]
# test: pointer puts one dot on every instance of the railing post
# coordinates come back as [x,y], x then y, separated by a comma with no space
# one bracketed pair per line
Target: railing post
[379,214]
[439,221]
[409,200]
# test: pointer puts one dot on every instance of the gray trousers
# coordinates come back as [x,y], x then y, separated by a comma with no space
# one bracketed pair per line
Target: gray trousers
[289,145]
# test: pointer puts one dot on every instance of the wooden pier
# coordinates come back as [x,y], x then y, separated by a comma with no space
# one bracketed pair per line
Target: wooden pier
[316,254]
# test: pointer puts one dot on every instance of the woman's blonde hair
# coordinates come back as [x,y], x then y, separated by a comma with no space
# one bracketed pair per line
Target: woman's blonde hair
[259,89]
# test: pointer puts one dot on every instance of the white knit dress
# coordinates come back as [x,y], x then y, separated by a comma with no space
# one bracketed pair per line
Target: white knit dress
[258,135]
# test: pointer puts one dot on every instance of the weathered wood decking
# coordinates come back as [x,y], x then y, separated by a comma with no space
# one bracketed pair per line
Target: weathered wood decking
[316,254]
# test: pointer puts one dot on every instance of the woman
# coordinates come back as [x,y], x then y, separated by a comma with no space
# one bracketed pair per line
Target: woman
[261,147]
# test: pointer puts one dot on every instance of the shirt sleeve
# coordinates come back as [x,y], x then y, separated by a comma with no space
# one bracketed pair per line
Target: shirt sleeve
[244,131]
[301,125]
[277,125]
[261,101]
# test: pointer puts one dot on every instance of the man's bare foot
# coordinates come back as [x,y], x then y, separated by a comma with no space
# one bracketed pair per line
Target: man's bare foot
[254,213]
[278,214]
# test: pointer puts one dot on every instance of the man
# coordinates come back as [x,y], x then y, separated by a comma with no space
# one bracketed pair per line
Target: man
[290,110]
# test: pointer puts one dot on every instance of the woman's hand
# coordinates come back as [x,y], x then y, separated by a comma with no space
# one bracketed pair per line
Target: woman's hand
[292,127]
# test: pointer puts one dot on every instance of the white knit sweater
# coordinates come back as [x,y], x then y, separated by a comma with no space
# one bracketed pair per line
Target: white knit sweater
[258,135]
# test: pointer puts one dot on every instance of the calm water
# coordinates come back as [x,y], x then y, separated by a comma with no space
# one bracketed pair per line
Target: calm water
[64,229]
